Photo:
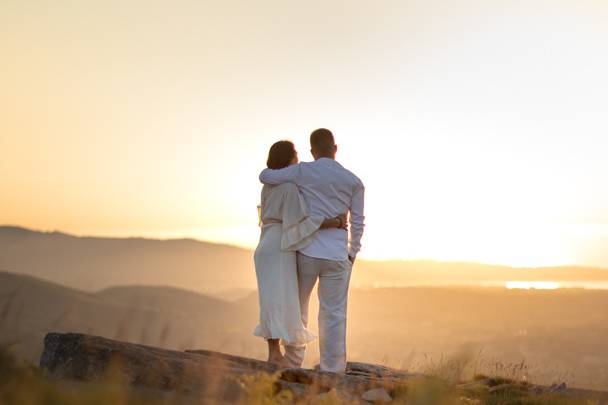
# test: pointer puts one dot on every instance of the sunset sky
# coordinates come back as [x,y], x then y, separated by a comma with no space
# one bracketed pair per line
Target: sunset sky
[479,128]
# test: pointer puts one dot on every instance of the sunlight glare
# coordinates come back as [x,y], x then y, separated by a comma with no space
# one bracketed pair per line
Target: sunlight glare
[532,285]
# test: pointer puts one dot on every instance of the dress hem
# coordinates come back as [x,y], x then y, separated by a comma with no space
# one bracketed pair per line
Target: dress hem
[303,336]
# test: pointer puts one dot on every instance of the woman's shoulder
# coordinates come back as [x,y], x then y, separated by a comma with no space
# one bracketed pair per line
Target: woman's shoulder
[278,191]
[287,187]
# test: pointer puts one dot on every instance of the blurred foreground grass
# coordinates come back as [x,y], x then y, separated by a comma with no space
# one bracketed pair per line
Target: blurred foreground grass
[25,384]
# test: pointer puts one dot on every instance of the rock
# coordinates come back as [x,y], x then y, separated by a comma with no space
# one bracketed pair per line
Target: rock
[371,370]
[347,387]
[327,396]
[236,361]
[539,389]
[216,375]
[470,401]
[225,378]
[501,388]
[298,375]
[481,385]
[376,395]
[92,358]
[299,391]
[558,387]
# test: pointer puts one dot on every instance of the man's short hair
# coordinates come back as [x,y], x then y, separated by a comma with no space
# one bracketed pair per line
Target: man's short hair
[322,140]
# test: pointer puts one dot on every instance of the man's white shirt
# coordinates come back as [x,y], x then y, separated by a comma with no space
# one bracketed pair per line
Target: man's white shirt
[329,190]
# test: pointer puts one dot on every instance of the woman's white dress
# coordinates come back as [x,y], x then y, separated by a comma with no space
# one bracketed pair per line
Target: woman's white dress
[286,228]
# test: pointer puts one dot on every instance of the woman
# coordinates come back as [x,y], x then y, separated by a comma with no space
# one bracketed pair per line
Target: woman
[286,228]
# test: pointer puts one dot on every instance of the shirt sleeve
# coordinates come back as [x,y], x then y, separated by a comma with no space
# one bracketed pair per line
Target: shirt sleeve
[289,174]
[299,228]
[357,220]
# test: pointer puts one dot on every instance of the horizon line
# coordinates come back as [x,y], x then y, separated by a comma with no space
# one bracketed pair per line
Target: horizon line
[236,246]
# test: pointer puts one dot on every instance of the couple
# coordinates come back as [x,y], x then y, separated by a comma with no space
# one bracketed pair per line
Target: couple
[305,238]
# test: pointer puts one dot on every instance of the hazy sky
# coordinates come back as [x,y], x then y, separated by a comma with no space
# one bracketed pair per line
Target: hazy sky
[479,127]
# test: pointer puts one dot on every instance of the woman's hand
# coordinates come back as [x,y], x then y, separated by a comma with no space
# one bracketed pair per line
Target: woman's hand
[342,220]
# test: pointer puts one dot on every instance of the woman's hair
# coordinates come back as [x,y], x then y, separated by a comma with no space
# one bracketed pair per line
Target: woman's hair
[281,154]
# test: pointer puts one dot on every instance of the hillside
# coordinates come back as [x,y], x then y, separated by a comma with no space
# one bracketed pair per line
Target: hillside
[166,317]
[558,335]
[92,264]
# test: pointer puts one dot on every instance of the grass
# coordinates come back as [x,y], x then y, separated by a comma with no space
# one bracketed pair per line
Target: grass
[25,384]
[504,384]
[261,390]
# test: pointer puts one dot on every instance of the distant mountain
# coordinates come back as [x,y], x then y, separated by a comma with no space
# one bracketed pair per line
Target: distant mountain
[164,299]
[93,263]
[160,316]
[427,272]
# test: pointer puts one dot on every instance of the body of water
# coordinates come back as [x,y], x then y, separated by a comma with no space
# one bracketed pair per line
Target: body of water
[511,285]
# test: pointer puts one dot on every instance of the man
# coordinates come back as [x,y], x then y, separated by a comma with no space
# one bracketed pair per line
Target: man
[329,190]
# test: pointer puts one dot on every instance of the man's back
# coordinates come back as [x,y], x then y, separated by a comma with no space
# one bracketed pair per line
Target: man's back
[329,190]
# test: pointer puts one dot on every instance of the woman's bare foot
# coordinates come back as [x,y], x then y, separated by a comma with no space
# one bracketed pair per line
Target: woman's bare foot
[274,352]
[277,359]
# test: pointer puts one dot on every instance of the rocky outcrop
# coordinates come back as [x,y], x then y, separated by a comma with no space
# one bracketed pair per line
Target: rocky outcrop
[201,372]
[227,378]
[92,358]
